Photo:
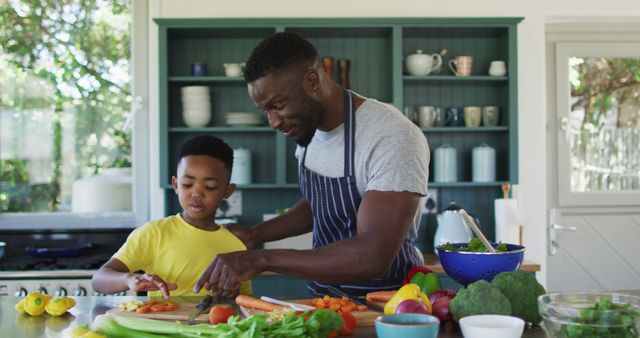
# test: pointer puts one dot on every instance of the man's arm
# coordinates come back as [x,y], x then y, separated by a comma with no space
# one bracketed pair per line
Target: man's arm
[296,221]
[384,218]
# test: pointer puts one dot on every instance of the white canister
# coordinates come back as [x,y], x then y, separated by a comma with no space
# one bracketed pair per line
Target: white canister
[241,172]
[483,159]
[445,164]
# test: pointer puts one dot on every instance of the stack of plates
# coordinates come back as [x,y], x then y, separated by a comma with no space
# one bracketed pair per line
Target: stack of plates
[243,119]
[196,106]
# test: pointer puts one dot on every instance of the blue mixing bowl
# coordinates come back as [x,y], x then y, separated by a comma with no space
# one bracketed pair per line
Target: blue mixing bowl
[468,267]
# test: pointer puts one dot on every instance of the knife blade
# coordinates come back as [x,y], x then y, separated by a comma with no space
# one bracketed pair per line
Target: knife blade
[335,292]
[204,304]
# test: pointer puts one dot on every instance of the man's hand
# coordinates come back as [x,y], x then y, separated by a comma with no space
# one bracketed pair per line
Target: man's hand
[147,282]
[223,276]
[243,233]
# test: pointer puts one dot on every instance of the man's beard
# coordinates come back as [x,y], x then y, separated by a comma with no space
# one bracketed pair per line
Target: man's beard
[310,119]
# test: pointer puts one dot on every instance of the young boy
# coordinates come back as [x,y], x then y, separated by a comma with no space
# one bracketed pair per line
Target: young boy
[174,251]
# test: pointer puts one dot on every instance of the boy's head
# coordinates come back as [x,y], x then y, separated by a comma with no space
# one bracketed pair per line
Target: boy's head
[202,179]
[208,145]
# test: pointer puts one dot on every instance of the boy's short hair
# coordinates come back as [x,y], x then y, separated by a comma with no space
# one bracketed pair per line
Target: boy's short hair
[208,145]
[278,52]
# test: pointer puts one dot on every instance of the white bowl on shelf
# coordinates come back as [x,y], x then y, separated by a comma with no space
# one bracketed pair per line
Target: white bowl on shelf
[243,119]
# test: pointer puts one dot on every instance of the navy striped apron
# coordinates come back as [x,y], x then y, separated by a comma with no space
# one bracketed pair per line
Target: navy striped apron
[334,202]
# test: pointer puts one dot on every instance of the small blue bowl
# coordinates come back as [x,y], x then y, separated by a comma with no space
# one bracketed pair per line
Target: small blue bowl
[468,267]
[407,325]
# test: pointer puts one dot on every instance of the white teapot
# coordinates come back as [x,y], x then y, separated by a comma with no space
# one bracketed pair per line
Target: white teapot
[422,64]
[451,227]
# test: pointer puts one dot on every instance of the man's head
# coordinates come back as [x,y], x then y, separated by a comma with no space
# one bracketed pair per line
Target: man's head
[202,179]
[283,77]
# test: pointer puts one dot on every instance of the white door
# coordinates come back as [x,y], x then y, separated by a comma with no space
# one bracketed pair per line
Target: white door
[594,211]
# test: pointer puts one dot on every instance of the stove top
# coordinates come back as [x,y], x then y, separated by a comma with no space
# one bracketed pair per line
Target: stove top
[24,263]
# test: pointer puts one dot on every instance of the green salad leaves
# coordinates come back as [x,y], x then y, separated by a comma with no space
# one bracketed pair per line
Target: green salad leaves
[475,245]
[605,320]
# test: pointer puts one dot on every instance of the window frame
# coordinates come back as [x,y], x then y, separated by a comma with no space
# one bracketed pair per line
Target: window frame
[26,221]
[616,42]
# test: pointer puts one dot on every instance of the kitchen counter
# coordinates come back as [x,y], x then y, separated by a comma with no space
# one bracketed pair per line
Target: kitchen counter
[432,262]
[13,324]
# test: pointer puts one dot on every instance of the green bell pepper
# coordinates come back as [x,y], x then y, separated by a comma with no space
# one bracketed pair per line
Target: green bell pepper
[428,282]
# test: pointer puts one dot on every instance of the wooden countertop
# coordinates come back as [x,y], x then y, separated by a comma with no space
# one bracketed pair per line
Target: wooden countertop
[432,262]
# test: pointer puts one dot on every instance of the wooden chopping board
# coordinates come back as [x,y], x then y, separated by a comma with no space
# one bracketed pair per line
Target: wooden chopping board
[376,306]
[363,318]
[181,314]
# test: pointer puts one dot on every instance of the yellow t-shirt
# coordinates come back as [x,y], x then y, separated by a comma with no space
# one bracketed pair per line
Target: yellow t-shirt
[177,252]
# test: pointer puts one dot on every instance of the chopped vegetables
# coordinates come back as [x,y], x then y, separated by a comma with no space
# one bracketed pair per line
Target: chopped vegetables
[148,306]
[338,304]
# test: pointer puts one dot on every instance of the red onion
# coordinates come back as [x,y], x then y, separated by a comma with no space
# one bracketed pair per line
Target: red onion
[412,306]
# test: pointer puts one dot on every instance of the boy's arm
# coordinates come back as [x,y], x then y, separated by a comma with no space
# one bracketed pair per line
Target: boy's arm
[114,276]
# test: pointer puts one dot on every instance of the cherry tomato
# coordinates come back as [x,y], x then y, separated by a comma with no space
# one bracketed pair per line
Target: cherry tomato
[349,324]
[220,314]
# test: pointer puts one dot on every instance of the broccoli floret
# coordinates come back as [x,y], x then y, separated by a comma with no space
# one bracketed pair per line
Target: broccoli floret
[523,290]
[479,298]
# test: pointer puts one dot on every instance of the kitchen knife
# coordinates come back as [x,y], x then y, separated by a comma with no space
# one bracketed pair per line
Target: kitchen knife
[335,292]
[204,304]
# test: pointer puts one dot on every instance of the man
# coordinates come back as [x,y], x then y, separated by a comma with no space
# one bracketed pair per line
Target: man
[363,169]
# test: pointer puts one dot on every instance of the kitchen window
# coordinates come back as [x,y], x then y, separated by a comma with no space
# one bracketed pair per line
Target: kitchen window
[70,114]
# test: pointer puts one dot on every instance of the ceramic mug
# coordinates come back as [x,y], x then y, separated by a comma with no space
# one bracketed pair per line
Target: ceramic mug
[498,68]
[233,69]
[441,119]
[427,116]
[461,65]
[199,69]
[490,116]
[472,116]
[455,116]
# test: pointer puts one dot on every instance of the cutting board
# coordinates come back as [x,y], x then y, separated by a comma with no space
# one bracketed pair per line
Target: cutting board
[181,314]
[376,306]
[363,318]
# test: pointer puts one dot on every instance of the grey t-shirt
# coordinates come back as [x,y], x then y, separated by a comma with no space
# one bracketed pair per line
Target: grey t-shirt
[391,153]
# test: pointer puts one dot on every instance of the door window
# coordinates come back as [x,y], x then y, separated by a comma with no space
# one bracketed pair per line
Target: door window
[599,111]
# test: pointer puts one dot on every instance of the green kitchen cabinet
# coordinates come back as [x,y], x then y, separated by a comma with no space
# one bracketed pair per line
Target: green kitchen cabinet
[376,48]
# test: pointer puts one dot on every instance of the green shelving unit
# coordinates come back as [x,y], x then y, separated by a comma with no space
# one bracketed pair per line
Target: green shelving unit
[376,48]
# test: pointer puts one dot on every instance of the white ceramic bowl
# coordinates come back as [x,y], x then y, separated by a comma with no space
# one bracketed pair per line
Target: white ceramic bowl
[491,326]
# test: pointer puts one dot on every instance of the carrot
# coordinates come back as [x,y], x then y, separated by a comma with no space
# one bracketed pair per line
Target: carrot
[343,304]
[157,308]
[380,296]
[258,304]
[144,309]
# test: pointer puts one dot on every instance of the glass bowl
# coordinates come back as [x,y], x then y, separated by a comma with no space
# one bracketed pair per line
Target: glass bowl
[586,314]
[468,267]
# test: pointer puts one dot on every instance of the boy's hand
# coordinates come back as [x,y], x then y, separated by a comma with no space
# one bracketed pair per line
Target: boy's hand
[147,282]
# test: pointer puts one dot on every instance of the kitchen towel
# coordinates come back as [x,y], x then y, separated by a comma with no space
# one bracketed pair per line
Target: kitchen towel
[508,220]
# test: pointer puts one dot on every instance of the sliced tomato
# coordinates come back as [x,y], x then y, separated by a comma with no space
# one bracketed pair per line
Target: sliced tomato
[349,326]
